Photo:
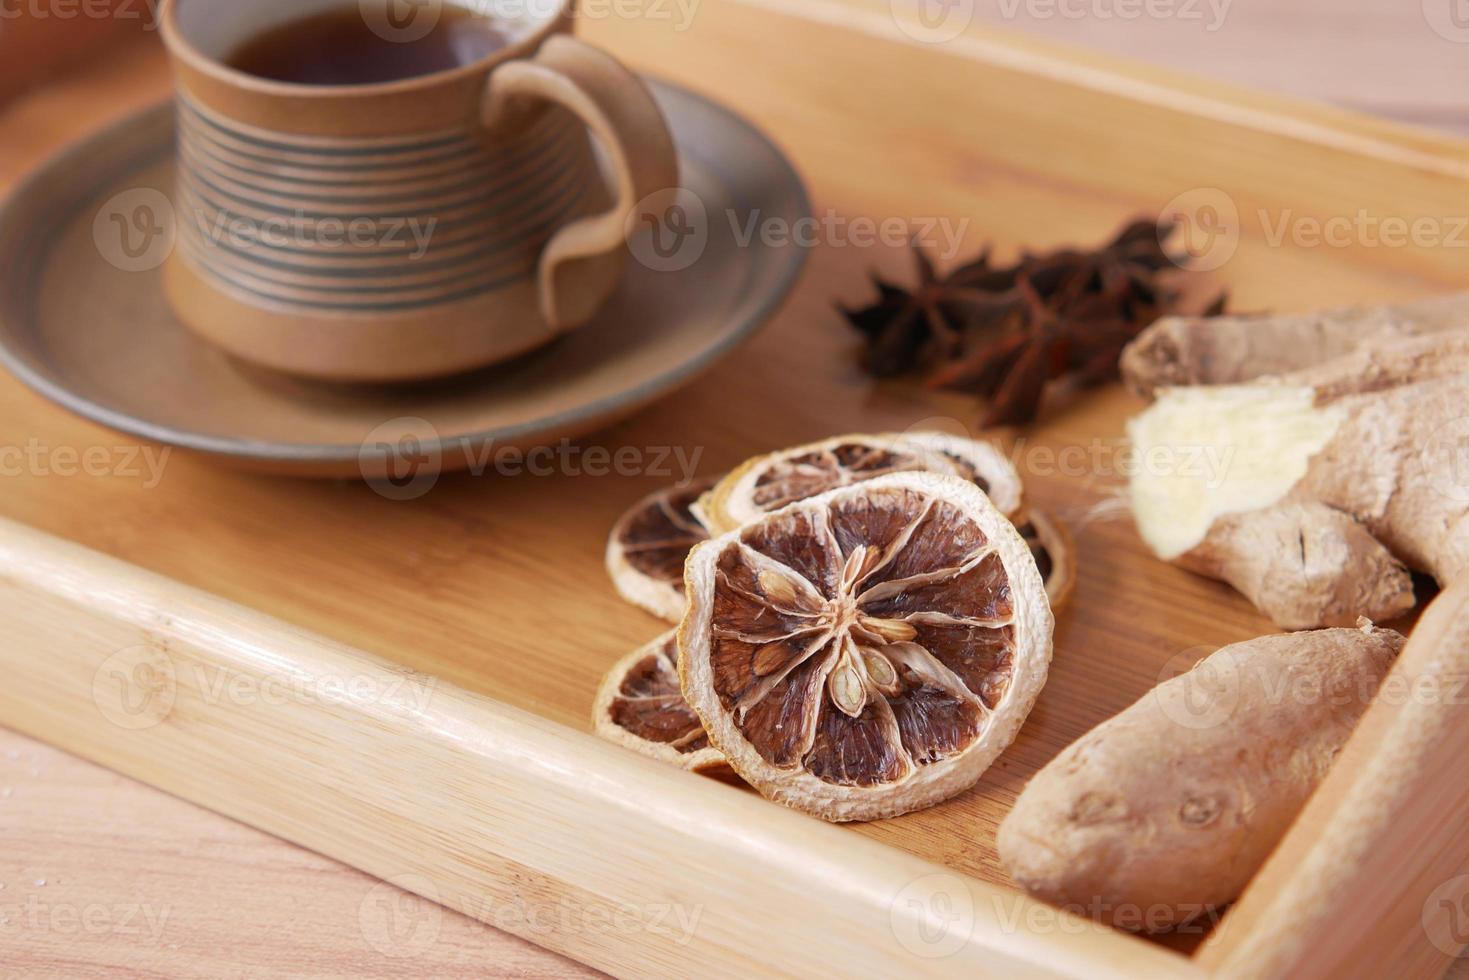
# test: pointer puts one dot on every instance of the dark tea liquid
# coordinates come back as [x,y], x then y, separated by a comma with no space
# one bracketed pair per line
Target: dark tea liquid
[340,47]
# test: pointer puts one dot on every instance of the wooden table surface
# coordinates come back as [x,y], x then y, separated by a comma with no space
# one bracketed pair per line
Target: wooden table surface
[100,875]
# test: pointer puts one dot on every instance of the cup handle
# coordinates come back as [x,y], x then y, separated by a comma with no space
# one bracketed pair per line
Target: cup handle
[582,262]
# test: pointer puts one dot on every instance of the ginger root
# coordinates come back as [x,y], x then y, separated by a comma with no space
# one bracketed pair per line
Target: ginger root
[1193,350]
[1315,491]
[1292,560]
[1169,809]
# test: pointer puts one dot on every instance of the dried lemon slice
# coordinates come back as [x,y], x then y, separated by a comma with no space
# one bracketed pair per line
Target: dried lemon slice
[641,706]
[981,463]
[1055,558]
[767,483]
[1055,555]
[868,651]
[647,548]
[772,481]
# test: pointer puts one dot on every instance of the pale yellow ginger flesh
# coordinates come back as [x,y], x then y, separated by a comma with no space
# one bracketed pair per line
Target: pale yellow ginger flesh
[1204,453]
[1329,477]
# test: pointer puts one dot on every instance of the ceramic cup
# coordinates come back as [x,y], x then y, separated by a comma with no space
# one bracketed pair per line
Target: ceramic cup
[408,229]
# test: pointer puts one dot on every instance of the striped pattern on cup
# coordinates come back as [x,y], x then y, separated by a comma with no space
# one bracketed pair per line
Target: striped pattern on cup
[368,226]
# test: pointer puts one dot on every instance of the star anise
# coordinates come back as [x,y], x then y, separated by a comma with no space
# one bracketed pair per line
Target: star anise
[908,328]
[1008,333]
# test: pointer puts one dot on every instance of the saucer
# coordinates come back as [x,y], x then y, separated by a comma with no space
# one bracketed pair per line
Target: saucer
[83,319]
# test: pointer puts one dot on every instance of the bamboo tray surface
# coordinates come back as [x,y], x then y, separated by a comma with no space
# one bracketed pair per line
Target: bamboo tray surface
[495,586]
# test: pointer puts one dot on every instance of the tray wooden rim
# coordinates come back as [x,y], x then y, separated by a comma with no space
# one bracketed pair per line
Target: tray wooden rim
[76,607]
[446,834]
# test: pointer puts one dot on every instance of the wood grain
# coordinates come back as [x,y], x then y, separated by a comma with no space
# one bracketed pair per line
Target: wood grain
[1386,828]
[496,585]
[541,830]
[103,876]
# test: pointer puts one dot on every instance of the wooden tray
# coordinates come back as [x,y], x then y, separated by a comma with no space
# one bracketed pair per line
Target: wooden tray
[405,686]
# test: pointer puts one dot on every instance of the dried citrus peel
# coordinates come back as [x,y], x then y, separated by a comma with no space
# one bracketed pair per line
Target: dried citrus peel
[869,651]
[767,483]
[640,705]
[1049,543]
[647,548]
[981,463]
[1055,556]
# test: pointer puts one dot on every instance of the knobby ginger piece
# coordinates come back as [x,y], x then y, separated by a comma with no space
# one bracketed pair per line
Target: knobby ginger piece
[1193,350]
[1355,463]
[1169,809]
